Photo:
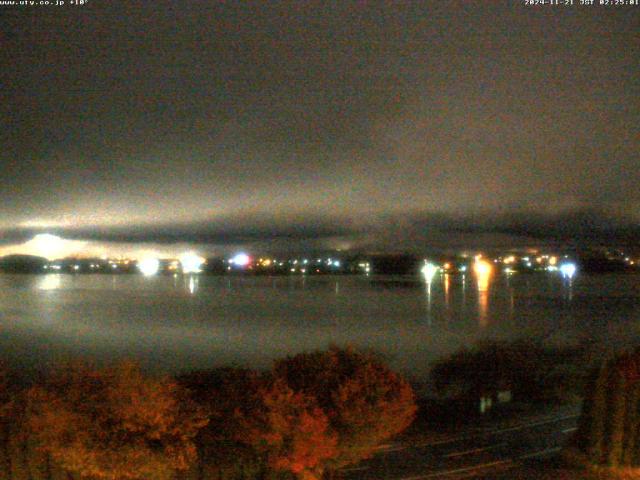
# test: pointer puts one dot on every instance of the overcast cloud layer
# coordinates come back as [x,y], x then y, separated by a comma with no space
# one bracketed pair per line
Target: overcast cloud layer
[335,124]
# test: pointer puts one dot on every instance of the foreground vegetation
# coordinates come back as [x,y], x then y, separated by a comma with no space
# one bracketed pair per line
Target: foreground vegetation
[306,418]
[523,370]
[608,437]
[311,414]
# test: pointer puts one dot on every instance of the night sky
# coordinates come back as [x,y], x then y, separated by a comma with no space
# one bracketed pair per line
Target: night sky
[370,125]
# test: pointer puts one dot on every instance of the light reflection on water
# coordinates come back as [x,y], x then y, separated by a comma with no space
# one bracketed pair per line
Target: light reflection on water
[483,279]
[447,286]
[193,282]
[183,322]
[428,295]
[49,282]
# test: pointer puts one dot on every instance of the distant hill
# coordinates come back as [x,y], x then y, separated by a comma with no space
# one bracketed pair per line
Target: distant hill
[22,264]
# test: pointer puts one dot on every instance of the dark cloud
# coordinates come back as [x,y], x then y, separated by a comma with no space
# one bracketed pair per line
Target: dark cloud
[175,122]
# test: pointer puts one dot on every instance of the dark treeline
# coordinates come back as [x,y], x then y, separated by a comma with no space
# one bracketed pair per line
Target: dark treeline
[378,264]
[22,264]
[589,261]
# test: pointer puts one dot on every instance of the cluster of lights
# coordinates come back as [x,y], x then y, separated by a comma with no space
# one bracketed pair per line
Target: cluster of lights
[189,263]
[483,268]
[304,261]
[366,266]
[243,260]
[540,262]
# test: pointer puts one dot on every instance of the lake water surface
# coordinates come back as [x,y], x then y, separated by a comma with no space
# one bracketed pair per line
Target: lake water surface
[181,323]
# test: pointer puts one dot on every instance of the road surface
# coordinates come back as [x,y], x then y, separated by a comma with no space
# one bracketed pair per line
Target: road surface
[469,454]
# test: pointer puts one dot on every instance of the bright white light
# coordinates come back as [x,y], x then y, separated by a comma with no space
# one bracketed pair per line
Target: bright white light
[191,263]
[336,263]
[149,266]
[47,245]
[429,270]
[241,259]
[568,270]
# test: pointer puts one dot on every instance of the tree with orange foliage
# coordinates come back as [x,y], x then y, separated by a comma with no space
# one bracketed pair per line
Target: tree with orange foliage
[259,428]
[114,424]
[366,403]
[228,395]
[290,430]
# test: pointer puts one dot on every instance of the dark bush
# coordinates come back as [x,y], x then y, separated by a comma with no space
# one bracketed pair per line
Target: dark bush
[609,427]
[528,370]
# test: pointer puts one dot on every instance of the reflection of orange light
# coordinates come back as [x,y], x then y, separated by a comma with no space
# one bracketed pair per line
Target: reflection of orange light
[266,262]
[483,271]
[446,287]
[553,260]
[447,266]
[510,259]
